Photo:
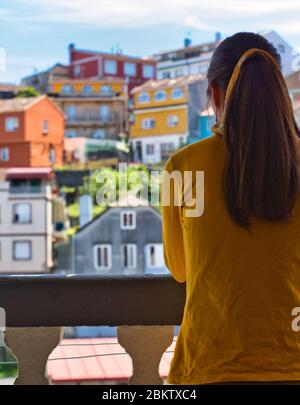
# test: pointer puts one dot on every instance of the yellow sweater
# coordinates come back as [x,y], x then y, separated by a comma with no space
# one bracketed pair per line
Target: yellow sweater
[240,287]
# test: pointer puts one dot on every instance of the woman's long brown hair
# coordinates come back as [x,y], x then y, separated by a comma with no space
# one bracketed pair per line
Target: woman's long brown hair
[261,175]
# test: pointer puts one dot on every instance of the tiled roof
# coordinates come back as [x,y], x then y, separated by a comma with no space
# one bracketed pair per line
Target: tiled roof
[101,359]
[167,83]
[18,104]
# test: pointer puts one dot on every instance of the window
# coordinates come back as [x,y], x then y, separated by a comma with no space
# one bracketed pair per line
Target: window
[87,90]
[281,48]
[181,138]
[150,149]
[104,112]
[144,98]
[128,220]
[106,90]
[71,133]
[129,256]
[166,75]
[148,71]
[4,154]
[154,255]
[25,186]
[71,112]
[110,67]
[172,120]
[77,70]
[148,123]
[167,148]
[102,257]
[22,213]
[67,89]
[99,134]
[129,69]
[160,95]
[51,154]
[11,124]
[22,250]
[45,127]
[178,72]
[177,93]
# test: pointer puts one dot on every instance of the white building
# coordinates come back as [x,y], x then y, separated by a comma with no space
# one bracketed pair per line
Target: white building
[286,51]
[27,229]
[194,59]
[186,61]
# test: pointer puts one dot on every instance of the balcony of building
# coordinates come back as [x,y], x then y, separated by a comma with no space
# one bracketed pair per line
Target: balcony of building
[94,119]
[35,310]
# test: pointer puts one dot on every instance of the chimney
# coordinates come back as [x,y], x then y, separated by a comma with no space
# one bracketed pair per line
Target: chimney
[85,209]
[71,48]
[218,36]
[187,42]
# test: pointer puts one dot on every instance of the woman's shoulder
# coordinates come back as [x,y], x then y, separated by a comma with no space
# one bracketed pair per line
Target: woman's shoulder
[197,153]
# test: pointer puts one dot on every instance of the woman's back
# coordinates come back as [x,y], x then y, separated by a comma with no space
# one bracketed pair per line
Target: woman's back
[242,283]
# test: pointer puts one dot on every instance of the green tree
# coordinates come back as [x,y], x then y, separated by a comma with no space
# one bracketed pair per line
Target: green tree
[136,177]
[28,92]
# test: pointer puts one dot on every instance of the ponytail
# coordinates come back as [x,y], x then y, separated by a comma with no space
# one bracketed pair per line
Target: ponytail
[261,175]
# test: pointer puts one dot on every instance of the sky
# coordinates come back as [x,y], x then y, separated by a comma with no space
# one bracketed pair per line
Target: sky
[34,34]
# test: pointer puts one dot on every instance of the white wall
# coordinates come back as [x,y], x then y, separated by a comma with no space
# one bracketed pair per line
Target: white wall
[37,263]
[200,64]
[187,67]
[157,141]
[287,56]
[38,231]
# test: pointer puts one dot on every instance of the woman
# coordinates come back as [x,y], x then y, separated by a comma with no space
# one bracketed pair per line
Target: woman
[240,258]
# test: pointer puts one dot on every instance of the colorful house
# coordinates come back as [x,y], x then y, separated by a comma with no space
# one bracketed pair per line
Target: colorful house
[165,115]
[92,64]
[95,113]
[93,108]
[123,240]
[31,132]
[33,218]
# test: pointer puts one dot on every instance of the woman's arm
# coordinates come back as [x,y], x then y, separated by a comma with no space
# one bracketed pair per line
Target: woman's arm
[172,223]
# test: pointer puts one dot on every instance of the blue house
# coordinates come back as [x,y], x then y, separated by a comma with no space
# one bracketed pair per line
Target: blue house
[205,122]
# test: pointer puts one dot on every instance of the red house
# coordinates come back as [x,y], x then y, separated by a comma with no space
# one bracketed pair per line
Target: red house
[87,64]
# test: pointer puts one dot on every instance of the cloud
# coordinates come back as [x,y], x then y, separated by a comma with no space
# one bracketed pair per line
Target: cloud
[217,15]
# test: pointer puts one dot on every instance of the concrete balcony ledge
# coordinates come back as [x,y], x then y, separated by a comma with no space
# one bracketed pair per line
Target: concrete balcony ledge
[145,309]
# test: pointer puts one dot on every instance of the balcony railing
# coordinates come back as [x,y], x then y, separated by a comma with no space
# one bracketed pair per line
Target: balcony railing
[93,120]
[144,308]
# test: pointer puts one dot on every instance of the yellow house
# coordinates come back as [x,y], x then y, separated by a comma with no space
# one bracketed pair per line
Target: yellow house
[165,113]
[94,109]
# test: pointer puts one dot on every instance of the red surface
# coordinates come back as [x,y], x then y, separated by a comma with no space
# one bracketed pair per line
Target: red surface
[29,173]
[89,67]
[110,367]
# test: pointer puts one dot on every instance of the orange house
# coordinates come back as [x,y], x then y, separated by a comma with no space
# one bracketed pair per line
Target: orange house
[31,132]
